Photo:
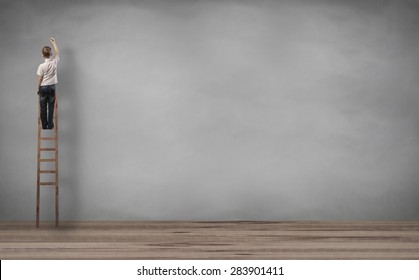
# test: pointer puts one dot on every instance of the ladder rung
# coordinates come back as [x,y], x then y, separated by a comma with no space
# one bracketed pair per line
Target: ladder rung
[47,171]
[47,159]
[47,149]
[47,138]
[47,183]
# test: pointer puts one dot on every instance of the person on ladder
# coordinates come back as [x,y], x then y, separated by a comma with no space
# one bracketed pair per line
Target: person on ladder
[47,78]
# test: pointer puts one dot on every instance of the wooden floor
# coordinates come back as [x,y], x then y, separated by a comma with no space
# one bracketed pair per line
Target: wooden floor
[210,240]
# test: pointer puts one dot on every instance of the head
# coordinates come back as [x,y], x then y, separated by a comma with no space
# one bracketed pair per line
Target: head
[46,51]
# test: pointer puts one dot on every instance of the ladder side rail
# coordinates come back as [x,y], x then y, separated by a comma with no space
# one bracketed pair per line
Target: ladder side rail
[38,173]
[56,161]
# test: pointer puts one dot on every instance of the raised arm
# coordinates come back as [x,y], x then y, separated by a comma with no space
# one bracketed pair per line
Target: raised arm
[56,51]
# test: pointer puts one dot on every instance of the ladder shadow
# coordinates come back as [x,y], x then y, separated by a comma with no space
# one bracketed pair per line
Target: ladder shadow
[69,131]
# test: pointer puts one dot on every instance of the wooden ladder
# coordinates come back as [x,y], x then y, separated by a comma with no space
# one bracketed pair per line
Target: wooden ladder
[42,139]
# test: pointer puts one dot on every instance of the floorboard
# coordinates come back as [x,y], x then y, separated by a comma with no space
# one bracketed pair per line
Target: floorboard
[210,240]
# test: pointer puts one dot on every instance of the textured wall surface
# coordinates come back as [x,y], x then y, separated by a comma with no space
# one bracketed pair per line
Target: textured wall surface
[216,110]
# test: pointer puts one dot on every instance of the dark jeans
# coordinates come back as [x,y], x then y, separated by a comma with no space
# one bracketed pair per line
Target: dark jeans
[47,99]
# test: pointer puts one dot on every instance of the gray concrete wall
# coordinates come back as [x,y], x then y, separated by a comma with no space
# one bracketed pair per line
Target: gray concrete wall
[216,110]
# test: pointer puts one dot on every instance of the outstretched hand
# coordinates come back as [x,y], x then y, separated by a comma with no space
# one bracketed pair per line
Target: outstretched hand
[52,40]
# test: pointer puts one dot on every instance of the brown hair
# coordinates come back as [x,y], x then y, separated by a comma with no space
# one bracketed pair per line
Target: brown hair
[46,51]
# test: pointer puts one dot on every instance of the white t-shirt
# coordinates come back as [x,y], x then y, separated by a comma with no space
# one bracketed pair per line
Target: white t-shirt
[48,70]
